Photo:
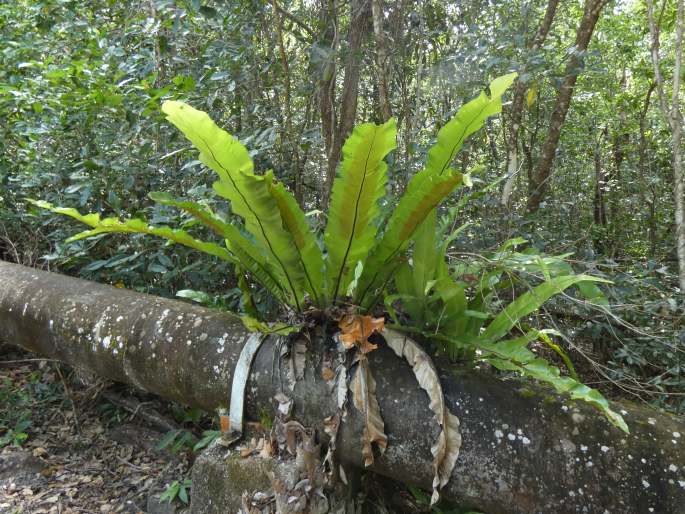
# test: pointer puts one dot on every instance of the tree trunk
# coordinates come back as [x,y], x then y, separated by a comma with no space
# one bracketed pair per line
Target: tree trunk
[524,450]
[289,134]
[329,23]
[359,27]
[540,183]
[643,173]
[674,117]
[516,110]
[600,216]
[381,59]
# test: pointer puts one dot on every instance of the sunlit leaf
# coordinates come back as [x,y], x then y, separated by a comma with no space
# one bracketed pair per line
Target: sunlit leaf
[359,186]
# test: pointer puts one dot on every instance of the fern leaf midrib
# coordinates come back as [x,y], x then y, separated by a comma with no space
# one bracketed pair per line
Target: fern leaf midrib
[306,274]
[386,261]
[287,221]
[461,139]
[223,229]
[261,227]
[354,219]
[265,269]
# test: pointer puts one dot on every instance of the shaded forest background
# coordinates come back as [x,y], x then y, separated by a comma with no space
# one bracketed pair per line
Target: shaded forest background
[81,84]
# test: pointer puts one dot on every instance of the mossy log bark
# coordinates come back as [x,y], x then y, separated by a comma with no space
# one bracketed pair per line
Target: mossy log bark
[524,450]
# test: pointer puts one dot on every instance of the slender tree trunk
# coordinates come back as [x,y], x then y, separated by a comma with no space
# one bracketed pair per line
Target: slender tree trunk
[539,185]
[674,116]
[600,215]
[516,110]
[642,171]
[359,27]
[329,23]
[159,63]
[619,141]
[289,135]
[381,59]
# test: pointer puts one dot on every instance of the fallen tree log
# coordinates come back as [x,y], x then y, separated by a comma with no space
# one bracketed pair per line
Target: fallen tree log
[524,449]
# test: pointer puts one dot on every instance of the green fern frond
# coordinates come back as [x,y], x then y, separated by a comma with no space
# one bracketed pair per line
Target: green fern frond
[360,184]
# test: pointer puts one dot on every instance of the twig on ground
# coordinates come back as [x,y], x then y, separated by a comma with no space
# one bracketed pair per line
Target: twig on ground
[140,409]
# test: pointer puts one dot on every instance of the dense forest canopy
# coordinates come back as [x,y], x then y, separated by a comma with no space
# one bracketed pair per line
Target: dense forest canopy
[582,161]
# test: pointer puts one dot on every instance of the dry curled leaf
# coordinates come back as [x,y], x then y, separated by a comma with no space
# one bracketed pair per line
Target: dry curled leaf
[364,398]
[446,448]
[356,330]
[327,374]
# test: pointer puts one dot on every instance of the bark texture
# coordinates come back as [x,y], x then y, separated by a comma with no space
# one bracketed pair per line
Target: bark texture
[381,59]
[540,178]
[524,450]
[516,110]
[341,126]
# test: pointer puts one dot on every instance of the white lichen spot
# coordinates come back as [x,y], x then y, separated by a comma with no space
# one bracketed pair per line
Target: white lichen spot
[203,336]
[645,484]
[217,370]
[564,408]
[571,493]
[79,330]
[120,318]
[589,464]
[519,431]
[198,322]
[577,418]
[681,483]
[673,468]
[511,437]
[583,448]
[604,448]
[499,434]
[169,339]
[643,460]
[52,324]
[676,435]
[624,412]
[105,341]
[525,440]
[651,421]
[189,342]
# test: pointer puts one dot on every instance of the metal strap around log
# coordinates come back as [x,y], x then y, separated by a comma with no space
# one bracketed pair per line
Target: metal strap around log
[239,383]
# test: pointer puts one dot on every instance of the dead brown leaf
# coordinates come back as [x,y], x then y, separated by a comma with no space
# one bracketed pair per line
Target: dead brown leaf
[356,330]
[364,398]
[446,448]
[327,374]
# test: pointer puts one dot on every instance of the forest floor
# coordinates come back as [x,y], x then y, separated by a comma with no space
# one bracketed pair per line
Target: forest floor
[68,446]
